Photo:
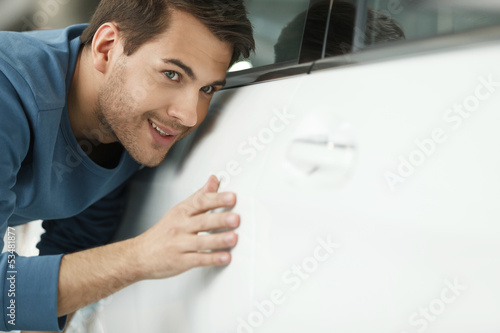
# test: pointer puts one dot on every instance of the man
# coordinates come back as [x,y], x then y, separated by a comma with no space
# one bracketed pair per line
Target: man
[80,114]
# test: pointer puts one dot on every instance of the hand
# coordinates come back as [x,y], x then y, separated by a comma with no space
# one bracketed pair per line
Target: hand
[173,245]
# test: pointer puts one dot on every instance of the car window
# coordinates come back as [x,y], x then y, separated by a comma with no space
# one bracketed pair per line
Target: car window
[278,27]
[423,19]
[359,24]
[420,19]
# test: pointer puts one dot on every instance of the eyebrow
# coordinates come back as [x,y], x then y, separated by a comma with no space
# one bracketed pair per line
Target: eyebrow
[190,72]
[182,65]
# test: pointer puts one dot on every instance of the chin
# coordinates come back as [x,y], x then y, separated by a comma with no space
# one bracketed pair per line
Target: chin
[152,164]
[151,161]
[147,154]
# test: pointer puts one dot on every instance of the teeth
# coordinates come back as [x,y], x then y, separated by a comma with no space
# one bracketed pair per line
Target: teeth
[158,130]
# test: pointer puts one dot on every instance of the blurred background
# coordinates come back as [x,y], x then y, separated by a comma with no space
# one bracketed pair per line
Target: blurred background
[24,15]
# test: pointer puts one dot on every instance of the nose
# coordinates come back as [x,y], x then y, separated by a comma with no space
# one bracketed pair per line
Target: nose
[184,107]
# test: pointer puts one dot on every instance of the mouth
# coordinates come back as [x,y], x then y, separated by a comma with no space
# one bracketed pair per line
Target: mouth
[162,133]
[163,136]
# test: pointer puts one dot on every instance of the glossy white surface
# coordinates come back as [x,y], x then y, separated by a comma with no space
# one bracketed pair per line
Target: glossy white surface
[421,255]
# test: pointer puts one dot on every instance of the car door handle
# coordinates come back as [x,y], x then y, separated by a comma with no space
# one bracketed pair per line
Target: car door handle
[320,161]
[313,154]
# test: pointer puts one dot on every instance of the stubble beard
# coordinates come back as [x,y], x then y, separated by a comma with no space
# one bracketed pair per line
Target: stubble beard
[112,109]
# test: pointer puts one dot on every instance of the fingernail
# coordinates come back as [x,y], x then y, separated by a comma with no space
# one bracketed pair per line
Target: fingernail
[229,198]
[232,220]
[224,258]
[229,239]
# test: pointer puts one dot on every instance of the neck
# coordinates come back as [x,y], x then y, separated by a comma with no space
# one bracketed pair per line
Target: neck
[82,99]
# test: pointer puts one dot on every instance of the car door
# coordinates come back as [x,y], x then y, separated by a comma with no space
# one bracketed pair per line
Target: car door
[378,209]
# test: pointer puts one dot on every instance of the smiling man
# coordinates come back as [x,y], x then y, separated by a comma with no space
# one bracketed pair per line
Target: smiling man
[82,109]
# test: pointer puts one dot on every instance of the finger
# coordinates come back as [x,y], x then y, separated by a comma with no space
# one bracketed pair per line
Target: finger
[212,185]
[203,202]
[210,242]
[212,221]
[207,259]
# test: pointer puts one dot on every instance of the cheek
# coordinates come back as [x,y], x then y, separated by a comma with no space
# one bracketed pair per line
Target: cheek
[143,91]
[202,112]
[141,99]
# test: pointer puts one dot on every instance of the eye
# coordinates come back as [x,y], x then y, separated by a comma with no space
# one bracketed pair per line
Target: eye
[174,76]
[208,89]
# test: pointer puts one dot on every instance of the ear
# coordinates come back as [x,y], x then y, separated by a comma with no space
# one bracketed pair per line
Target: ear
[105,45]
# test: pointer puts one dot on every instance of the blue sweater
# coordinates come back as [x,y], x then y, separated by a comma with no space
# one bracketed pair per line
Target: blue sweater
[44,174]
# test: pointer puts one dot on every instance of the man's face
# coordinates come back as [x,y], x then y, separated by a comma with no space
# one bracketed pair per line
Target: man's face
[160,93]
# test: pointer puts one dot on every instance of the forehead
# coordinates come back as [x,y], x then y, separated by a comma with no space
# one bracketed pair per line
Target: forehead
[190,41]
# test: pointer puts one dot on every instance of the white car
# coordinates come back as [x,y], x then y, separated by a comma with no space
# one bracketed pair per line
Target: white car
[367,175]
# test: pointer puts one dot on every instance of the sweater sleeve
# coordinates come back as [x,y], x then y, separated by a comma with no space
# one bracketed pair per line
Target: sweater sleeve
[94,227]
[28,285]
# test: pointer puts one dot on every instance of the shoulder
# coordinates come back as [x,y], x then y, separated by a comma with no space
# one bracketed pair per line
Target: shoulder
[39,63]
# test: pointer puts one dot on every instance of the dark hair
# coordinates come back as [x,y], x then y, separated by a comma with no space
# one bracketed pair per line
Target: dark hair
[379,28]
[140,21]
